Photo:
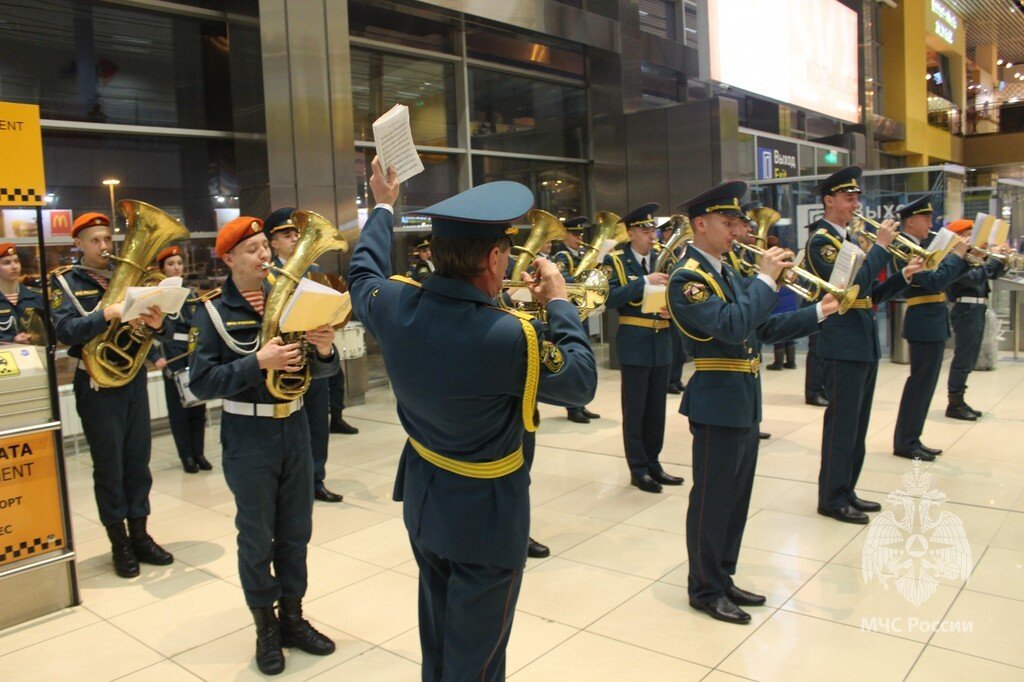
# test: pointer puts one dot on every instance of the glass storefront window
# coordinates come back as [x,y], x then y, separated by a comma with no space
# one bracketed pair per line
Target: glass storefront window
[829,160]
[439,180]
[807,159]
[115,64]
[407,27]
[380,80]
[516,114]
[523,51]
[557,187]
[748,161]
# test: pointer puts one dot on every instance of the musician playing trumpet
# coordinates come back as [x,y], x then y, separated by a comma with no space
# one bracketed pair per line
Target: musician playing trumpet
[19,301]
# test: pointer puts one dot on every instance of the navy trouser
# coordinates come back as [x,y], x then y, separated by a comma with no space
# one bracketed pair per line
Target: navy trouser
[116,426]
[675,372]
[925,366]
[188,424]
[465,617]
[724,460]
[269,468]
[317,406]
[336,389]
[968,322]
[643,416]
[850,390]
[814,382]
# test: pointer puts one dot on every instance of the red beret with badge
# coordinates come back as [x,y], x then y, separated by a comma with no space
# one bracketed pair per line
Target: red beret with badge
[167,253]
[235,232]
[7,249]
[89,220]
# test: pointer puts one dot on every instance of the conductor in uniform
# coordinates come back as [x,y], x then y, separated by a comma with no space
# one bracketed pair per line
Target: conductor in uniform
[19,302]
[116,421]
[727,317]
[566,256]
[267,460]
[643,348]
[848,347]
[466,376]
[926,329]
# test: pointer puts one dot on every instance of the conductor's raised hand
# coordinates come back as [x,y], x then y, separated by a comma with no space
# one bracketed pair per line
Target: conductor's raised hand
[385,186]
[548,283]
[278,355]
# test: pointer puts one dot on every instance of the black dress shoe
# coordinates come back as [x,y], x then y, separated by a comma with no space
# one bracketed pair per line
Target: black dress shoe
[790,365]
[645,483]
[817,401]
[535,550]
[916,453]
[935,452]
[675,389]
[577,416]
[339,425]
[775,366]
[590,415]
[741,597]
[976,413]
[325,495]
[203,463]
[864,505]
[961,412]
[667,479]
[723,609]
[190,466]
[761,435]
[845,514]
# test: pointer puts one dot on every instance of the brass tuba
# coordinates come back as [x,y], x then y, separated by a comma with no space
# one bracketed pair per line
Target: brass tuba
[546,228]
[682,234]
[609,226]
[114,357]
[764,218]
[317,236]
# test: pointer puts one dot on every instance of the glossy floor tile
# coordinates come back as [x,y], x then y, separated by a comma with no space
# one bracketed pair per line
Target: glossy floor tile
[932,590]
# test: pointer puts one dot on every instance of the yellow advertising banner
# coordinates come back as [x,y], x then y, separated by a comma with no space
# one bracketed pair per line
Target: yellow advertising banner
[31,522]
[22,180]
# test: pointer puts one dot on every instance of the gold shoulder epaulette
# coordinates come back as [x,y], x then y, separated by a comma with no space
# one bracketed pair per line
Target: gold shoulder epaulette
[615,253]
[34,290]
[691,264]
[61,269]
[821,231]
[208,296]
[404,280]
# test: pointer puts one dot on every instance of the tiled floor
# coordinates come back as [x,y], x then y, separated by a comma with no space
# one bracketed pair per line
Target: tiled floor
[610,604]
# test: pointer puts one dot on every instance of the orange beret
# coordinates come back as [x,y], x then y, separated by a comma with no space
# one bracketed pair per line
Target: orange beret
[88,220]
[237,230]
[7,249]
[167,253]
[959,226]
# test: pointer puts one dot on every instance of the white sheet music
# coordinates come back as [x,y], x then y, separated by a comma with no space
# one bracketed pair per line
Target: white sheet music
[392,133]
[848,262]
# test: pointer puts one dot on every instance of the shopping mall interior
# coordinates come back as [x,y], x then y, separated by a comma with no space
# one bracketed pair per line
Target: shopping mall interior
[216,111]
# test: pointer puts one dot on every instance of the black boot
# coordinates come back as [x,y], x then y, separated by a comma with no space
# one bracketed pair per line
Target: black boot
[778,360]
[790,356]
[125,563]
[145,549]
[203,463]
[339,425]
[190,465]
[269,657]
[297,632]
[957,408]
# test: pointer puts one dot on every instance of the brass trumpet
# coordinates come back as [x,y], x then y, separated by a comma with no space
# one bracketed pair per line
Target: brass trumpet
[977,255]
[588,292]
[902,247]
[811,287]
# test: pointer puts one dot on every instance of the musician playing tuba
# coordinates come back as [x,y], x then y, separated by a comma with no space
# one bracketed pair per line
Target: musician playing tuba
[86,310]
[267,459]
[21,306]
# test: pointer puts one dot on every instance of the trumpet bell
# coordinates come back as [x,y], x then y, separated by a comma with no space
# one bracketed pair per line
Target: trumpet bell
[847,298]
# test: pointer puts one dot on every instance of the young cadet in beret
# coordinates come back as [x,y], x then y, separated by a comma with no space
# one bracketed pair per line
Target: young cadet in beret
[466,376]
[848,347]
[19,301]
[643,348]
[926,328]
[267,459]
[969,294]
[727,317]
[116,421]
[283,236]
[566,256]
[188,424]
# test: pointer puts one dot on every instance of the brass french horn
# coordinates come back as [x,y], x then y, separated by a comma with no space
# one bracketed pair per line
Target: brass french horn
[609,226]
[546,228]
[682,234]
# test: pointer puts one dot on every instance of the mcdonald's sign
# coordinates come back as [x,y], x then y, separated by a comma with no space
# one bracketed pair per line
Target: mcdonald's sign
[57,223]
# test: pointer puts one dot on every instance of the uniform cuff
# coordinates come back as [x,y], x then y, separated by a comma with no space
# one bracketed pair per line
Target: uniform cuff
[387,207]
[769,281]
[819,311]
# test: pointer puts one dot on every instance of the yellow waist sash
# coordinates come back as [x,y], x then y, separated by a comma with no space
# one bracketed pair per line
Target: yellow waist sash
[751,366]
[644,322]
[496,469]
[932,298]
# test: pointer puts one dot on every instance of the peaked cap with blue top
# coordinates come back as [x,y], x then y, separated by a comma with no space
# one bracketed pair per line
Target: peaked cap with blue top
[281,219]
[575,224]
[641,216]
[917,207]
[487,210]
[723,198]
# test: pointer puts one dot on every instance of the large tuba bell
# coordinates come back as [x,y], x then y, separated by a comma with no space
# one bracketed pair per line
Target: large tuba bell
[546,228]
[114,357]
[764,218]
[317,236]
[682,234]
[609,226]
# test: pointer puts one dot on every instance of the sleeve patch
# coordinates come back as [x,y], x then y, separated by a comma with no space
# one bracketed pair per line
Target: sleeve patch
[552,358]
[56,296]
[829,253]
[696,292]
[193,339]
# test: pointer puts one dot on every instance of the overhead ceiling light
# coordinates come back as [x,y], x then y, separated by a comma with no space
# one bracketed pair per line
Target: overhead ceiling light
[999,62]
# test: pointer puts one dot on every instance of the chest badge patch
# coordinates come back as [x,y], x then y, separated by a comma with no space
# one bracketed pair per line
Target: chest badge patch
[696,292]
[552,357]
[56,296]
[193,339]
[829,253]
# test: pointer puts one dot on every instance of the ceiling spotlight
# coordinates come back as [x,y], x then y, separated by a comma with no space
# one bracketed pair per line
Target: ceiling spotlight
[999,62]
